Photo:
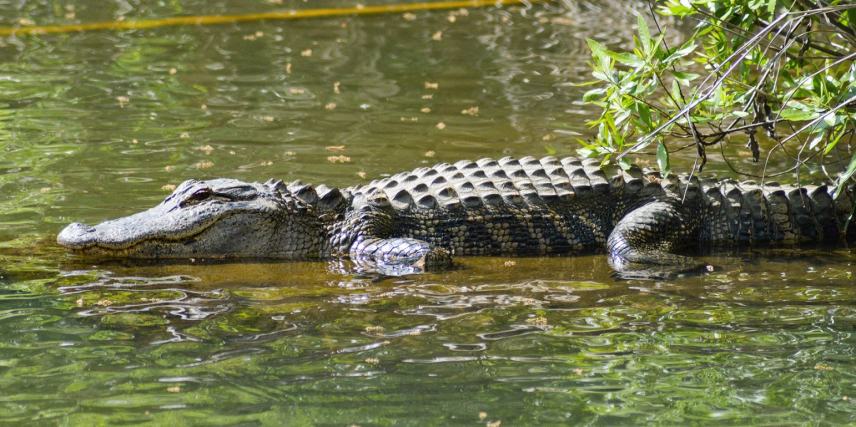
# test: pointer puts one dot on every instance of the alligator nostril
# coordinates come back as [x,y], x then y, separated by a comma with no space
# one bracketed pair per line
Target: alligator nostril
[81,228]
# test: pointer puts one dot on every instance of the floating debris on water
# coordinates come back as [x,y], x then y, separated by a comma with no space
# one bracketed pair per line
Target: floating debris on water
[432,85]
[207,149]
[472,111]
[338,159]
[441,126]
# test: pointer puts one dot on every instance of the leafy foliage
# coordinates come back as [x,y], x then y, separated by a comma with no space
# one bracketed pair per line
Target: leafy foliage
[786,68]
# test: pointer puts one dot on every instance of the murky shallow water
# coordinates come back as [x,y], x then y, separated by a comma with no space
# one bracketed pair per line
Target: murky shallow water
[93,125]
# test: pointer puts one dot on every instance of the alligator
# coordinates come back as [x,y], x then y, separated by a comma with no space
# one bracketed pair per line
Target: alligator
[420,219]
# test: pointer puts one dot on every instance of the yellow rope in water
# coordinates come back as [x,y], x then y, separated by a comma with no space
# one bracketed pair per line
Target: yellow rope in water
[278,15]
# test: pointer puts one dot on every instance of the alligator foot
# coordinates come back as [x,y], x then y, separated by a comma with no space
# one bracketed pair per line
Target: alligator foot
[641,244]
[399,256]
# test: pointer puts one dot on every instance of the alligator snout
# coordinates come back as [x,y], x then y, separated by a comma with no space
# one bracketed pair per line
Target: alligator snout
[76,235]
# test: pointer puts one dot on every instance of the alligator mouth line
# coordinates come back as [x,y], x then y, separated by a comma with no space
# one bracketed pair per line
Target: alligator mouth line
[98,248]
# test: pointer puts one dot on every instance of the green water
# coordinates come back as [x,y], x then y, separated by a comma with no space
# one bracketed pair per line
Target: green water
[94,125]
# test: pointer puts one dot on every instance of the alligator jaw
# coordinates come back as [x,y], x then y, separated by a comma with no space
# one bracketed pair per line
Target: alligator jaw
[124,236]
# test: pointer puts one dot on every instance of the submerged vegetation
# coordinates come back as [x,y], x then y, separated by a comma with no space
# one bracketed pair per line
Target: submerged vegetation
[774,75]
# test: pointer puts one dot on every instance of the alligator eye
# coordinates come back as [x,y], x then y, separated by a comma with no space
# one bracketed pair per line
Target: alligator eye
[197,196]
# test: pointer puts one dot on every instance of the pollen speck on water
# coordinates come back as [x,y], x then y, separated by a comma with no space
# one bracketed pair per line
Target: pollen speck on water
[432,85]
[438,36]
[123,101]
[184,135]
[425,110]
[472,111]
[482,415]
[361,174]
[172,71]
[441,126]
[337,87]
[375,330]
[408,16]
[338,159]
[174,389]
[207,149]
[168,187]
[330,106]
[430,153]
[306,53]
[335,148]
[205,164]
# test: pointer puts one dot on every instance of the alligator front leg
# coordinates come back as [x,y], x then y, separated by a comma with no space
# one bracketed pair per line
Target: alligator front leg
[367,236]
[643,243]
[399,255]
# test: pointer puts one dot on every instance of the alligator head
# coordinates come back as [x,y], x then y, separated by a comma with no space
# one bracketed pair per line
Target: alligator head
[221,218]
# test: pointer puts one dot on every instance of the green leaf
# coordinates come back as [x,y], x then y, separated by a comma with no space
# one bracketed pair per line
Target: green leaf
[663,159]
[771,6]
[645,115]
[597,50]
[683,51]
[797,115]
[626,58]
[684,78]
[842,180]
[593,94]
[644,33]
